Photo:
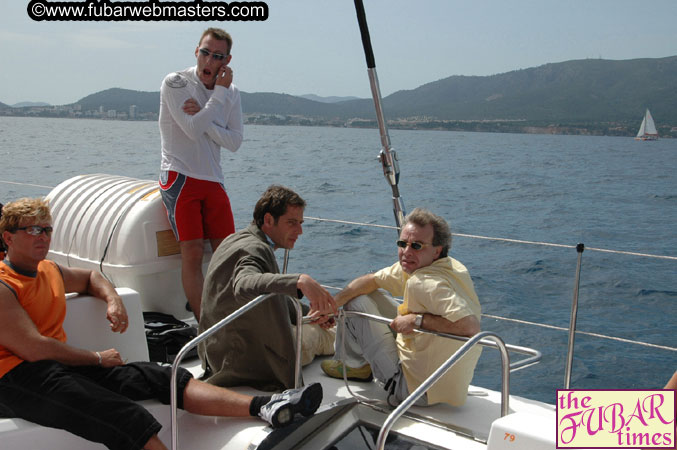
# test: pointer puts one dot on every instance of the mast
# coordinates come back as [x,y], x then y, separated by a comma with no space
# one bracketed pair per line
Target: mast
[387,156]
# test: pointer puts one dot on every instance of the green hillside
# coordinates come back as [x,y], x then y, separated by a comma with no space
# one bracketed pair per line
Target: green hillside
[591,96]
[573,91]
[120,100]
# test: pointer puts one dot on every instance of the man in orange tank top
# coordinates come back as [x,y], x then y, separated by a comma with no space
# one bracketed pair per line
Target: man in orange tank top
[92,393]
[2,244]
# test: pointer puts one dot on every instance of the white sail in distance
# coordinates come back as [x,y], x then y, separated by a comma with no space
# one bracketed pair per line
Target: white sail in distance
[647,131]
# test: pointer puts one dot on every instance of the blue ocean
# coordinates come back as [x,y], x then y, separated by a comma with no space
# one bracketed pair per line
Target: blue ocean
[609,193]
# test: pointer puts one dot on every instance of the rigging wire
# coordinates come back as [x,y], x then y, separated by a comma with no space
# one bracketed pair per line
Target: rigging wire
[586,333]
[471,236]
[554,327]
[27,184]
[514,241]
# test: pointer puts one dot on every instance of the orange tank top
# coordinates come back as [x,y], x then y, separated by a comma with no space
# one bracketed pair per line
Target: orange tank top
[43,297]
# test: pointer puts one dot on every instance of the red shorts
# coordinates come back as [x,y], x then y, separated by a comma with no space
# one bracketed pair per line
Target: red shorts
[196,209]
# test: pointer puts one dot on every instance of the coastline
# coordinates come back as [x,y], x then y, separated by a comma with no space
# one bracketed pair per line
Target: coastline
[513,126]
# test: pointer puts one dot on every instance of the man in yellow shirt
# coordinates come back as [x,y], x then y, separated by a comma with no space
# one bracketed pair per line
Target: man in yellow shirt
[438,295]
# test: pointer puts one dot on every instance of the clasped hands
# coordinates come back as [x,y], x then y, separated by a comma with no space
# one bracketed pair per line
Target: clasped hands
[322,304]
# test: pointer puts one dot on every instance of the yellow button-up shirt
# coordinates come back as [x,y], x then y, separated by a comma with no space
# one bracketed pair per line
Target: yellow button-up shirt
[445,289]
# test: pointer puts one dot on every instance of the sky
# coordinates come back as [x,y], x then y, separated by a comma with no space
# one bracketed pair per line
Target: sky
[314,46]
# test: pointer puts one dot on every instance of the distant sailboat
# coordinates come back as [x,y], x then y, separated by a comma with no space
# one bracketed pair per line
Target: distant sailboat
[647,131]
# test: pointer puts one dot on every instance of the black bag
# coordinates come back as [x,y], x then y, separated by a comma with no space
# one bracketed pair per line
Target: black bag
[166,335]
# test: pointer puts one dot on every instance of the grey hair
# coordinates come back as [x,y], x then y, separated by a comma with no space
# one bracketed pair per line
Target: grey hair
[441,231]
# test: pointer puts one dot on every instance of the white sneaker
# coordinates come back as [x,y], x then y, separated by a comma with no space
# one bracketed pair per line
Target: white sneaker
[281,408]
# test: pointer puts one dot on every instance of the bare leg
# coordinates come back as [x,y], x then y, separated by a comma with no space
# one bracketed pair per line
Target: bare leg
[191,272]
[154,443]
[209,400]
[672,384]
[215,243]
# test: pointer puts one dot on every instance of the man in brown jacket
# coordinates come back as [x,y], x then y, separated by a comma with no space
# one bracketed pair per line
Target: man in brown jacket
[257,349]
[93,394]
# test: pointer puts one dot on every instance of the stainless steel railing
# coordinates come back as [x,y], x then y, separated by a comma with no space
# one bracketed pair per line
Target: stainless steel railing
[436,375]
[534,355]
[572,331]
[573,318]
[484,338]
[299,333]
[194,342]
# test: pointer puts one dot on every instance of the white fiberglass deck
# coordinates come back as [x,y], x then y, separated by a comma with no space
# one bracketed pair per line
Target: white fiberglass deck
[209,433]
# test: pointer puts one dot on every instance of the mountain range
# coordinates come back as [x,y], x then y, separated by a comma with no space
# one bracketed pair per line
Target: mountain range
[575,93]
[24,104]
[331,99]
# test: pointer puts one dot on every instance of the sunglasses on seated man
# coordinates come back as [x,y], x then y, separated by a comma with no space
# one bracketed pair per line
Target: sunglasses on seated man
[217,56]
[415,245]
[35,230]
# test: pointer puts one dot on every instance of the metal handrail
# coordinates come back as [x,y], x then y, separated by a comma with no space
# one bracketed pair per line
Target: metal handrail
[298,377]
[572,321]
[298,381]
[574,307]
[435,376]
[534,355]
[189,346]
[222,323]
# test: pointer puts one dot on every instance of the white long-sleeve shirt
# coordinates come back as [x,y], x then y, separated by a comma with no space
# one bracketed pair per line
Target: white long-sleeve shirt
[191,145]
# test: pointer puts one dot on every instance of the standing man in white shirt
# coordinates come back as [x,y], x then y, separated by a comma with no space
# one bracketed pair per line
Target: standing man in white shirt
[200,112]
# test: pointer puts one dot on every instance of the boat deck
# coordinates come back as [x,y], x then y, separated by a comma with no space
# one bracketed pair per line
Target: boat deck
[337,415]
[475,417]
[212,433]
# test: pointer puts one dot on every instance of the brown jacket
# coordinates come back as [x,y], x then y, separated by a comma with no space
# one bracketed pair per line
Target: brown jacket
[257,349]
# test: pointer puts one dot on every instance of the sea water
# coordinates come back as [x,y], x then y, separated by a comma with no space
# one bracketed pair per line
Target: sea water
[605,192]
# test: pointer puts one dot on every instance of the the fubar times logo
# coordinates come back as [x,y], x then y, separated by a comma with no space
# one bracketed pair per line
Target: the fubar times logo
[603,418]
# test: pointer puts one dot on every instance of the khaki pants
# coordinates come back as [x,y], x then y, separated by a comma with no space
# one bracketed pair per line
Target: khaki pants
[316,341]
[375,343]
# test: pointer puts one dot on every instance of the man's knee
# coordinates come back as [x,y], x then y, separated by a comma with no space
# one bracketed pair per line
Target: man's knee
[362,303]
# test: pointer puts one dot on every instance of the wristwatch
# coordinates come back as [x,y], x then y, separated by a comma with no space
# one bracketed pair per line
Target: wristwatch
[419,320]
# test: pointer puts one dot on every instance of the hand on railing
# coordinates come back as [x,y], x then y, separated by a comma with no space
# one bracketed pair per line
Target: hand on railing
[405,324]
[534,355]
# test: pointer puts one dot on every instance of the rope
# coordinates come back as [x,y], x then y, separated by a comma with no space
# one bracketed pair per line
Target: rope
[471,236]
[621,252]
[554,327]
[514,241]
[320,219]
[586,333]
[27,184]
